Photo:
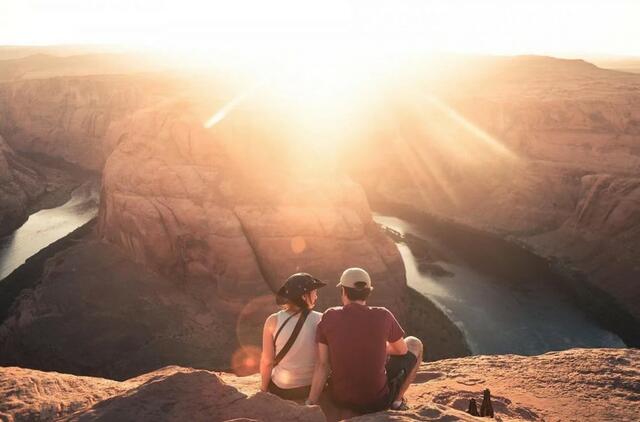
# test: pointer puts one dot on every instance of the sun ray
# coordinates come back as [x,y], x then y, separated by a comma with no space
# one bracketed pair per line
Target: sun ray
[421,170]
[476,132]
[229,107]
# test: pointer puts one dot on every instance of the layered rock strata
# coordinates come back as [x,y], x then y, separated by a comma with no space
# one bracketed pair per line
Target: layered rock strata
[540,150]
[235,209]
[27,186]
[95,312]
[68,117]
[19,185]
[575,385]
[218,218]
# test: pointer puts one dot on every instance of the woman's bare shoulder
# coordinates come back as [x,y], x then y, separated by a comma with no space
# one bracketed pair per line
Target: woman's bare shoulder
[271,321]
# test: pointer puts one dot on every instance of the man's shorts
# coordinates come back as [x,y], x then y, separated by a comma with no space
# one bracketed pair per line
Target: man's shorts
[398,369]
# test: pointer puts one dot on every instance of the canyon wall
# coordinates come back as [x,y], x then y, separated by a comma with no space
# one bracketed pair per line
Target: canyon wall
[96,312]
[229,204]
[68,117]
[543,151]
[220,216]
[19,185]
[28,185]
[197,227]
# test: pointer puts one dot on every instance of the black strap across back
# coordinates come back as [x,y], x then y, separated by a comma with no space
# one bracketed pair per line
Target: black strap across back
[294,335]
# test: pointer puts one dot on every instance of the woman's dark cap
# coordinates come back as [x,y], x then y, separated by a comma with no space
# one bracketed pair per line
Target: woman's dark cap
[297,285]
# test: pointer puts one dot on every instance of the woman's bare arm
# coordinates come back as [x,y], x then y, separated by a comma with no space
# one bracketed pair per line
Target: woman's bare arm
[267,356]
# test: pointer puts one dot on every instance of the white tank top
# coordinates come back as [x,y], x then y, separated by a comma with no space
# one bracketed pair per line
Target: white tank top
[296,368]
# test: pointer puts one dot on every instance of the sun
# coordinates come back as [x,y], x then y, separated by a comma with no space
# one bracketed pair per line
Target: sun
[323,89]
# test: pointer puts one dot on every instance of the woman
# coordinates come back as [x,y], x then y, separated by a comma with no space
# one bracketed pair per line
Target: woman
[288,339]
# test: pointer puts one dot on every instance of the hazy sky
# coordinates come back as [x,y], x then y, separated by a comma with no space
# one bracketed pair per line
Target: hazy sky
[558,27]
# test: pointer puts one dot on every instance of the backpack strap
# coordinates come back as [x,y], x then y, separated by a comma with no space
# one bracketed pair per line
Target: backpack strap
[282,326]
[294,335]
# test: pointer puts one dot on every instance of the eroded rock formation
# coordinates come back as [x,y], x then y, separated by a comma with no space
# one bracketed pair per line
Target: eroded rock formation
[579,384]
[95,312]
[225,203]
[18,186]
[217,217]
[68,117]
[541,150]
[237,210]
[27,186]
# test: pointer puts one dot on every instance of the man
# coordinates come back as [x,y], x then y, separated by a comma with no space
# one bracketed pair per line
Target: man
[364,348]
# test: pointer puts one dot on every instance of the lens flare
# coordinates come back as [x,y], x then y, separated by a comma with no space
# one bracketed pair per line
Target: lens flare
[298,244]
[246,360]
[249,326]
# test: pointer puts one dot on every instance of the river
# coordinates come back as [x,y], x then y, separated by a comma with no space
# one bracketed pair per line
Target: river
[46,226]
[503,299]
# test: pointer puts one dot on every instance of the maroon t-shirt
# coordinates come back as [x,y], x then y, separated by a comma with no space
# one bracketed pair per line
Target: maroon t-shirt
[357,335]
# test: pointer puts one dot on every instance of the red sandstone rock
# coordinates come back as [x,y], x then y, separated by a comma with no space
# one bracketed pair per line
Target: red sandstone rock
[27,186]
[19,185]
[95,312]
[26,394]
[197,203]
[68,117]
[575,385]
[542,150]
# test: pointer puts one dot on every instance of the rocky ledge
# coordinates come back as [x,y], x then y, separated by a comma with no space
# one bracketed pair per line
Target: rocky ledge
[574,385]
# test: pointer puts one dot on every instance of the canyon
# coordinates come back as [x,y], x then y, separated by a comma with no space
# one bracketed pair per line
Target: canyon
[183,217]
[199,224]
[541,151]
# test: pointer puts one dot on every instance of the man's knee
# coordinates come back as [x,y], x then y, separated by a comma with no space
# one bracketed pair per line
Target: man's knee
[414,345]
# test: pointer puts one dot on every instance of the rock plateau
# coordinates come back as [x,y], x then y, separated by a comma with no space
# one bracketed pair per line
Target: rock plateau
[575,385]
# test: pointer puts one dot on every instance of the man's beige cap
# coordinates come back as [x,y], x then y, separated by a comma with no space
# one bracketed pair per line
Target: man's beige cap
[351,276]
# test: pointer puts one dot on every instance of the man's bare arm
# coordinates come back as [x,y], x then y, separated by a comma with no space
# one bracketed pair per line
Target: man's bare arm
[320,374]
